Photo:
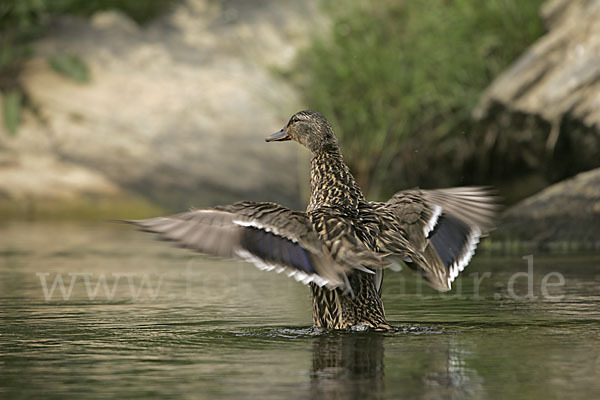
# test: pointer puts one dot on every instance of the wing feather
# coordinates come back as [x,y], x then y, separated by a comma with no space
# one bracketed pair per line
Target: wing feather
[266,234]
[445,226]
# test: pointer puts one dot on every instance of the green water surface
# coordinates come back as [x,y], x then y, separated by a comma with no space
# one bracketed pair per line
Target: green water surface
[139,319]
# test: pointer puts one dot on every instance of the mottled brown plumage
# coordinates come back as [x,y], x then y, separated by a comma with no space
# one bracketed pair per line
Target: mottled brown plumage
[342,243]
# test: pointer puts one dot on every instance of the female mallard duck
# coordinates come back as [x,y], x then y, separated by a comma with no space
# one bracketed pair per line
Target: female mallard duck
[342,242]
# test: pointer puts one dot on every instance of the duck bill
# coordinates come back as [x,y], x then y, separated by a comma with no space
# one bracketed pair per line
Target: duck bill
[279,136]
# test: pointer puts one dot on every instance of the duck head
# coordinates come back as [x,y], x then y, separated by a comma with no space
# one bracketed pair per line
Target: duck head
[310,129]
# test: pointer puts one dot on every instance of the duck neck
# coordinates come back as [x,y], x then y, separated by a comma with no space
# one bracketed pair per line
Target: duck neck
[332,184]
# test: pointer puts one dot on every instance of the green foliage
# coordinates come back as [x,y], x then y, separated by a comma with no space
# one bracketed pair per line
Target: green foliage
[21,21]
[71,66]
[11,108]
[400,80]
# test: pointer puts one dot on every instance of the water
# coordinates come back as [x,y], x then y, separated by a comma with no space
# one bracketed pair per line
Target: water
[203,328]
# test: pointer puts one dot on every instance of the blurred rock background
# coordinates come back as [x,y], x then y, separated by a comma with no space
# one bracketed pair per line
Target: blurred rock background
[170,113]
[121,108]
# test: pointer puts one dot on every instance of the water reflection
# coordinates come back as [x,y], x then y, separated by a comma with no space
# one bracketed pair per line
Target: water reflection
[348,367]
[448,370]
[352,367]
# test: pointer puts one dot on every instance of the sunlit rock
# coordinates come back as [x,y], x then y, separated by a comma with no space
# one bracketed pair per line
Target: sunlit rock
[176,111]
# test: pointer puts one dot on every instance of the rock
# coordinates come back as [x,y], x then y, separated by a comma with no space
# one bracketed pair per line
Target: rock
[543,119]
[38,185]
[559,75]
[177,111]
[543,113]
[565,213]
[28,177]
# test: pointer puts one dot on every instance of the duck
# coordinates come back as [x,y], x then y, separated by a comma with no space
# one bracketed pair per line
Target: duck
[342,243]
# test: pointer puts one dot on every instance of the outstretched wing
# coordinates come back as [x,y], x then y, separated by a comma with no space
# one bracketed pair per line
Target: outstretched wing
[266,234]
[445,226]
